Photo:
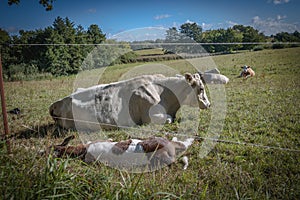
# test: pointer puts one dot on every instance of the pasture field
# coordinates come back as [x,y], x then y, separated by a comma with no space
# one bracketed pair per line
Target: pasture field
[262,112]
[147,52]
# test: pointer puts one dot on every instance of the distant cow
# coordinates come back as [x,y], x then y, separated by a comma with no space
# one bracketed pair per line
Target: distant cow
[213,71]
[141,100]
[152,153]
[247,72]
[213,76]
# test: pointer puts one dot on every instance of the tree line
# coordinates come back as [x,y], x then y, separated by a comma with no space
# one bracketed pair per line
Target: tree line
[57,50]
[236,36]
[52,52]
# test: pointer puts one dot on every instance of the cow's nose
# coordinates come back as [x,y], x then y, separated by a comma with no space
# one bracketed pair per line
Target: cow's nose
[208,105]
[53,114]
[51,110]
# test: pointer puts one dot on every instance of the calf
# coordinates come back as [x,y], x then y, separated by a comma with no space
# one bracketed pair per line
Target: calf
[247,72]
[154,152]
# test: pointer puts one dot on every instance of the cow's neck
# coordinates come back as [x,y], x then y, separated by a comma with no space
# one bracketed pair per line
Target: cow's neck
[174,94]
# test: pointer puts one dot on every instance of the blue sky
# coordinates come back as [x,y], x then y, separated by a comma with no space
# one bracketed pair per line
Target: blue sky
[113,16]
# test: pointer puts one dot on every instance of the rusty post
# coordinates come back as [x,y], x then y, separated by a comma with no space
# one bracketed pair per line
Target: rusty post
[4,113]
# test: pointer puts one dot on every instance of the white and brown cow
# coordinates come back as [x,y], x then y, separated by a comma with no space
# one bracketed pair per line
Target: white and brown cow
[141,100]
[149,154]
[247,72]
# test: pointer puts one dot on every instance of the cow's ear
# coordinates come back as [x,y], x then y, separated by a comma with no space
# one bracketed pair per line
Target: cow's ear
[248,67]
[242,67]
[188,77]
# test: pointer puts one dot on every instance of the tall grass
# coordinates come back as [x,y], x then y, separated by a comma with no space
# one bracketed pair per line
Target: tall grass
[261,110]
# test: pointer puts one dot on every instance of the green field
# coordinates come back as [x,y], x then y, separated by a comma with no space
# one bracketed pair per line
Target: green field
[262,112]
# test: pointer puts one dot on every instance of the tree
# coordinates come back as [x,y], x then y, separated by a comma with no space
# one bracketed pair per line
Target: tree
[62,59]
[250,35]
[46,3]
[4,49]
[172,35]
[233,36]
[192,30]
[95,35]
[61,54]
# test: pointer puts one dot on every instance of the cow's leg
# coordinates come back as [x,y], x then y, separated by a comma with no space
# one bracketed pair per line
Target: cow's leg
[161,158]
[72,151]
[185,161]
[158,115]
[161,119]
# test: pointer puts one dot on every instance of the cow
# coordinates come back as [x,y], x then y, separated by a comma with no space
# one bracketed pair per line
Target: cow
[247,72]
[213,71]
[141,100]
[213,76]
[151,153]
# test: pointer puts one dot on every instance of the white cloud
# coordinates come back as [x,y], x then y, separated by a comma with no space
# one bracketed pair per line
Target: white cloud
[140,34]
[276,2]
[175,24]
[231,23]
[280,17]
[206,26]
[92,10]
[271,26]
[220,25]
[189,22]
[163,16]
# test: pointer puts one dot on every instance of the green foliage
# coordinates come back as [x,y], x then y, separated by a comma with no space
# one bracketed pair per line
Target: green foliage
[236,34]
[192,30]
[249,35]
[108,54]
[258,48]
[222,36]
[286,37]
[45,3]
[62,55]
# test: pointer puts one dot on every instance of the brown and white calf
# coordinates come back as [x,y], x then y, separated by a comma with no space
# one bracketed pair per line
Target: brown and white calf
[151,153]
[247,72]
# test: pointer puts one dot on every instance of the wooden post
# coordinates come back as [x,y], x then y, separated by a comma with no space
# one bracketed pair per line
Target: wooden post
[4,113]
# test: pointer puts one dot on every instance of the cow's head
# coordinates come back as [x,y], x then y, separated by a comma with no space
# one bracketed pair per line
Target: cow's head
[245,68]
[195,81]
[61,112]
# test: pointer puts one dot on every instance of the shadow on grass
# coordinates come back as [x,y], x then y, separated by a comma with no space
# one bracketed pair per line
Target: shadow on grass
[51,130]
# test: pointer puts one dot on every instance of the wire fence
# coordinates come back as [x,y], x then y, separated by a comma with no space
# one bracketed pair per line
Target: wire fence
[153,43]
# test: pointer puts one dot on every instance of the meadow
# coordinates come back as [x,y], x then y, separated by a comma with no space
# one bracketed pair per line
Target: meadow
[257,155]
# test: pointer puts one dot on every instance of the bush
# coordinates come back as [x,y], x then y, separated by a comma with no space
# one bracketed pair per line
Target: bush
[129,57]
[258,48]
[22,72]
[278,46]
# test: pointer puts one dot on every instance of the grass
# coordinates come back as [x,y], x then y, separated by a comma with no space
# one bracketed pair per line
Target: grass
[148,52]
[261,110]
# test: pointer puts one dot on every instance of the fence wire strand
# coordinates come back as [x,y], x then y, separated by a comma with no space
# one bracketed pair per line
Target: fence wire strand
[154,43]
